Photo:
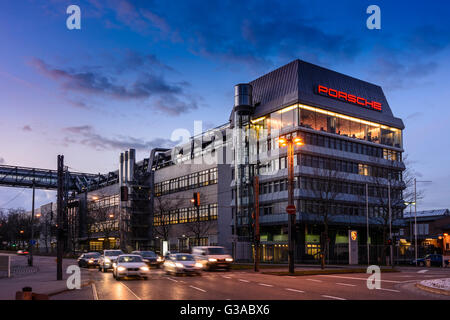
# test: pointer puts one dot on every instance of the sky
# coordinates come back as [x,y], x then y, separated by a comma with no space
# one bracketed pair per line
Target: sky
[138,70]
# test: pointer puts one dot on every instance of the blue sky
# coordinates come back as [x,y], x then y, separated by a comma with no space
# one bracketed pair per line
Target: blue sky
[137,70]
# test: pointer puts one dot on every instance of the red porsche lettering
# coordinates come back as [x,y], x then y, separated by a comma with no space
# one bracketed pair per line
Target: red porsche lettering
[340,95]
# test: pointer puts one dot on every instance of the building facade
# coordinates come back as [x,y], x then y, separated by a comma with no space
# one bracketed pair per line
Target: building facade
[347,176]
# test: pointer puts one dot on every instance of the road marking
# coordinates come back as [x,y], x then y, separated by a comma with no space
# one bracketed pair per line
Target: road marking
[295,290]
[265,285]
[315,280]
[94,291]
[354,278]
[197,289]
[391,290]
[422,271]
[242,280]
[332,297]
[226,277]
[130,290]
[172,279]
[346,284]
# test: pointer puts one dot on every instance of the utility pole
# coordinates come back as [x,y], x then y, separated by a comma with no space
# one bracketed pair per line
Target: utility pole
[289,142]
[415,218]
[59,219]
[367,223]
[30,257]
[391,249]
[256,223]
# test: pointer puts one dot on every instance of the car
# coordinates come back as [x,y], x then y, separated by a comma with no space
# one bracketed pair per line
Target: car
[89,259]
[213,257]
[107,259]
[22,252]
[151,258]
[434,259]
[182,263]
[130,265]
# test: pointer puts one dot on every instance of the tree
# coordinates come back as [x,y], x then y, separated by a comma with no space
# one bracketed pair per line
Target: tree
[163,206]
[104,221]
[325,190]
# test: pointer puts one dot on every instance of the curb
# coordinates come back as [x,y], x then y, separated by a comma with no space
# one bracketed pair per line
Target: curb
[326,271]
[54,293]
[433,290]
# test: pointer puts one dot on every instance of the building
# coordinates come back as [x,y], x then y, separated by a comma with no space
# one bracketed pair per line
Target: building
[433,228]
[352,142]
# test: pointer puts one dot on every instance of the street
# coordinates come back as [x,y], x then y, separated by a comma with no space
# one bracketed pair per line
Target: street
[246,285]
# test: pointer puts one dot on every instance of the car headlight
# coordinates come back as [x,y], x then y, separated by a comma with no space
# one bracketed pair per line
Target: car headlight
[107,260]
[199,265]
[159,259]
[121,269]
[145,260]
[144,268]
[212,260]
[229,259]
[179,265]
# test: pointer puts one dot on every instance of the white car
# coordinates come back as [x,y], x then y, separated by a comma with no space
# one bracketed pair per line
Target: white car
[182,263]
[130,265]
[213,257]
[107,259]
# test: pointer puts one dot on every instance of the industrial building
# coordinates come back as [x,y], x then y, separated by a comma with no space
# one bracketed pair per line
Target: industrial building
[348,172]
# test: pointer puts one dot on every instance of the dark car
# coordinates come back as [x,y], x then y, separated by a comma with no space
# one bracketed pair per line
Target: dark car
[435,260]
[89,259]
[150,258]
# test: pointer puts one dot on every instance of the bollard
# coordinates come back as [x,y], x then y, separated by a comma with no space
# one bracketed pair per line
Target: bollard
[27,294]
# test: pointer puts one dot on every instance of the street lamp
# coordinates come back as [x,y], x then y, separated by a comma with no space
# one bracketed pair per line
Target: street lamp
[415,215]
[289,141]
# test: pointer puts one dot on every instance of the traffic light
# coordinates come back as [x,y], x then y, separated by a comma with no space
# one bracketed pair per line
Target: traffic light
[196,199]
[124,193]
[389,242]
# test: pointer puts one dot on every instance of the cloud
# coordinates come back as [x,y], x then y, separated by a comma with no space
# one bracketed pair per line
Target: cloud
[2,160]
[86,135]
[112,80]
[27,128]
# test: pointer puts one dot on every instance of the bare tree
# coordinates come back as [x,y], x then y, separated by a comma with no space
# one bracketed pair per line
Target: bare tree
[164,205]
[325,190]
[104,222]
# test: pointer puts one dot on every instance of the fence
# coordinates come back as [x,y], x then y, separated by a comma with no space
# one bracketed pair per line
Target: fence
[337,254]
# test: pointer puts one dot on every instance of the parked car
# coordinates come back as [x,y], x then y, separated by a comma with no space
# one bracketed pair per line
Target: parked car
[107,259]
[89,259]
[150,258]
[130,265]
[180,263]
[435,260]
[212,257]
[22,252]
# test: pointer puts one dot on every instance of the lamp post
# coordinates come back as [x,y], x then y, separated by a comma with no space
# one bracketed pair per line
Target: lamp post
[415,216]
[289,141]
[30,257]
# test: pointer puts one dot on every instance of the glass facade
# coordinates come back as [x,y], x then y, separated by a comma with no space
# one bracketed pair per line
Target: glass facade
[331,122]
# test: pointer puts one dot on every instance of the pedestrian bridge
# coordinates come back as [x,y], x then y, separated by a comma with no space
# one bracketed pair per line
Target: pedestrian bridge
[14,176]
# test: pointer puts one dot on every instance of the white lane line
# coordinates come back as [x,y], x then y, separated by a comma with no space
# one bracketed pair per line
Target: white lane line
[94,291]
[332,297]
[354,278]
[197,289]
[346,284]
[130,290]
[243,280]
[315,280]
[295,290]
[391,290]
[265,285]
[226,277]
[172,279]
[422,271]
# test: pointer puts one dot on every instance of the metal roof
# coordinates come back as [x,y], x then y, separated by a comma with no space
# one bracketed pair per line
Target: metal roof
[427,213]
[296,81]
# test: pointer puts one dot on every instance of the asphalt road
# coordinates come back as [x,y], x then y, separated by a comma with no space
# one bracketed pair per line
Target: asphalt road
[246,285]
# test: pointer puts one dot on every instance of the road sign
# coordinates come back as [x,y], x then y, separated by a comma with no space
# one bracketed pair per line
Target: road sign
[291,209]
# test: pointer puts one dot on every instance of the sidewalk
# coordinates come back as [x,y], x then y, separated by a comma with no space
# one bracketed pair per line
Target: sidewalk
[42,281]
